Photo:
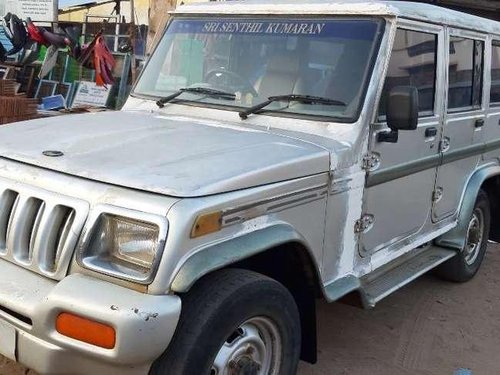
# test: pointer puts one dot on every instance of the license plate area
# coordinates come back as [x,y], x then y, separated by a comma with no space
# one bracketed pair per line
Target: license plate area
[7,340]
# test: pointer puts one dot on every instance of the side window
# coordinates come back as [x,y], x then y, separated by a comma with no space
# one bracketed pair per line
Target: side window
[495,74]
[413,63]
[465,73]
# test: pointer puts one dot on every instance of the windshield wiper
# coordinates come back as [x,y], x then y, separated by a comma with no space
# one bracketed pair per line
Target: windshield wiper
[309,99]
[197,90]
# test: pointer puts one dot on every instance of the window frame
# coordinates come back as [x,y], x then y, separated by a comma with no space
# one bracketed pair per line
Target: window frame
[383,26]
[474,36]
[495,43]
[425,28]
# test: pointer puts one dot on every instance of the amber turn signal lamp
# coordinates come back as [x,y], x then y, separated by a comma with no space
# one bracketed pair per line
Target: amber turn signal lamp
[207,223]
[86,330]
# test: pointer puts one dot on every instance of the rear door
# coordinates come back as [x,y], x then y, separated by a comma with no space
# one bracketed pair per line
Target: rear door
[462,133]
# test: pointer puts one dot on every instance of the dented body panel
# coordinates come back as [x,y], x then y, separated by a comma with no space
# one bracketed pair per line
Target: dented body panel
[169,155]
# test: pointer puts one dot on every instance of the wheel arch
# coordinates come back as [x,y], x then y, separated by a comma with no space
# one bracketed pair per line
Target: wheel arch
[492,188]
[278,252]
[488,179]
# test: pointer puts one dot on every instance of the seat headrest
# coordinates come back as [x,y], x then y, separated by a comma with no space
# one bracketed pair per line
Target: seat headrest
[283,64]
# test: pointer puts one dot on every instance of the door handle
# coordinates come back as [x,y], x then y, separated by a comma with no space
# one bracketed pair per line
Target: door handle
[430,132]
[479,123]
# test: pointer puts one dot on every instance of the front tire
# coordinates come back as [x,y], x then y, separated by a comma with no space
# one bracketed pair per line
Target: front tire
[465,265]
[234,322]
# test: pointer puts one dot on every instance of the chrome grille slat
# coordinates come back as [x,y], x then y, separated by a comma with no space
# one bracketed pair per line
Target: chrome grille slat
[9,223]
[48,237]
[18,236]
[34,231]
[39,229]
[64,235]
[7,201]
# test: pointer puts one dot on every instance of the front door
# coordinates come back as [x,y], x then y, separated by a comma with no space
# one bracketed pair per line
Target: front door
[464,121]
[399,189]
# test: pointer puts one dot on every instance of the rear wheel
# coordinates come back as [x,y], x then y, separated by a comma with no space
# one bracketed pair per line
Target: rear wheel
[234,322]
[465,265]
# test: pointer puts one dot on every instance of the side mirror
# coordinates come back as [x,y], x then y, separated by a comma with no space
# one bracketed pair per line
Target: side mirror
[401,113]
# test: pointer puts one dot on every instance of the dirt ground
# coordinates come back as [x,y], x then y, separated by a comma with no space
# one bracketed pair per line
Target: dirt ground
[429,327]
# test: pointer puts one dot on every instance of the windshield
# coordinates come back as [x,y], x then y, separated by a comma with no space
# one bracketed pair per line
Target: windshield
[255,59]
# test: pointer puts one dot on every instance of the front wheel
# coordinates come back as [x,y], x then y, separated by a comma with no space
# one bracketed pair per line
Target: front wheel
[234,322]
[465,265]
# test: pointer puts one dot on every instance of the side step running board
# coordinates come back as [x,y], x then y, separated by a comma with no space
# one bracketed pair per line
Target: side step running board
[374,290]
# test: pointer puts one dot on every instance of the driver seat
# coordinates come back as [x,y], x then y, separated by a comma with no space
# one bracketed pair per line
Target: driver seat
[281,76]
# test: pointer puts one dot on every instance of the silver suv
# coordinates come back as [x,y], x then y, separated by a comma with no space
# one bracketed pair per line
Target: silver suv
[269,155]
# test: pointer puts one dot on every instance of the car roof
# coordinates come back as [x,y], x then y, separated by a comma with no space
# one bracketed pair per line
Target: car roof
[403,9]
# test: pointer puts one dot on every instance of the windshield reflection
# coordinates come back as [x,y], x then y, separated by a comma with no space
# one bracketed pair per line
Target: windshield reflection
[257,59]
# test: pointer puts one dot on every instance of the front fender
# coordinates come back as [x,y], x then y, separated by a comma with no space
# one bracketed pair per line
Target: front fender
[224,253]
[455,238]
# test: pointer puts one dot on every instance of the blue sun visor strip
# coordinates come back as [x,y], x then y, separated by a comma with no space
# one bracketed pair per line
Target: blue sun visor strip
[346,29]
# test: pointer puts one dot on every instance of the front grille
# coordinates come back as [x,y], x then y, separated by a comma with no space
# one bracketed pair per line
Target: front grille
[39,229]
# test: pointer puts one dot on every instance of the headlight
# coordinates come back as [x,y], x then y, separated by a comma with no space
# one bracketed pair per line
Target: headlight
[123,247]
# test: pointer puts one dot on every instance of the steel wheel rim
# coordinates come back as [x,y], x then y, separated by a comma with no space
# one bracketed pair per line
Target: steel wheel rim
[253,348]
[475,233]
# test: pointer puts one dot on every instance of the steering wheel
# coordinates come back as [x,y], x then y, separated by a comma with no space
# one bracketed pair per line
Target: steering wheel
[244,82]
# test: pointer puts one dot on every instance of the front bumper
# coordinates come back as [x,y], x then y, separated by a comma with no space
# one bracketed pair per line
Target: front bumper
[30,303]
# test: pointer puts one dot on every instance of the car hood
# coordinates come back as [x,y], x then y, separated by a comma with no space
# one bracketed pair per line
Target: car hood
[172,155]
